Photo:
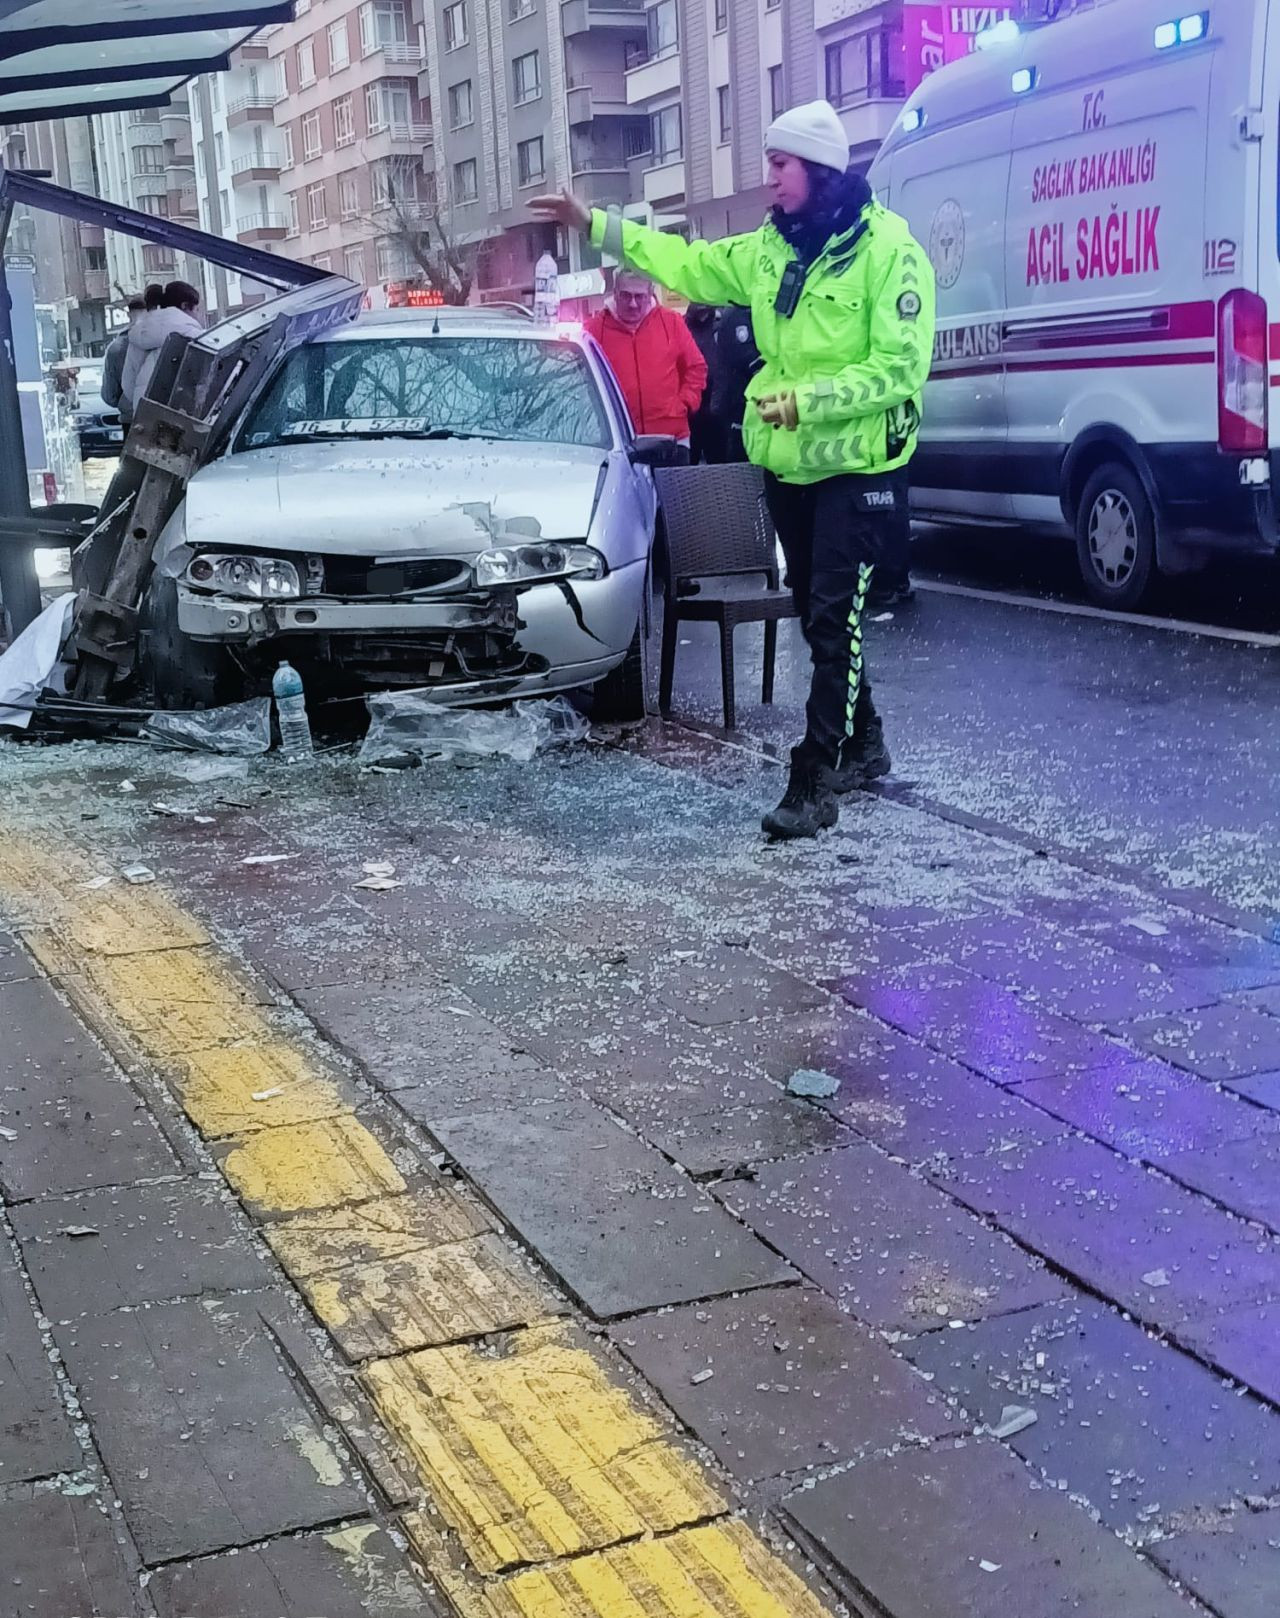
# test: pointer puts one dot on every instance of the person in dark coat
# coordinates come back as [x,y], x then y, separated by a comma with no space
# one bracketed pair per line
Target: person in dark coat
[735,359]
[701,321]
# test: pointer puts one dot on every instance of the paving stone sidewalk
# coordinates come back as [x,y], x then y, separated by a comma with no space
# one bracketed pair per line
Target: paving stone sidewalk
[1047,1181]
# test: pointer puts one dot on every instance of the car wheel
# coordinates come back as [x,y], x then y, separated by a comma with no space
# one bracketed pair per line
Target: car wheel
[182,673]
[620,696]
[1116,537]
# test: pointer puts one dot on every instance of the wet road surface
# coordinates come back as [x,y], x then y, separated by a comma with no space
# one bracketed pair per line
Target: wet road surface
[454,1245]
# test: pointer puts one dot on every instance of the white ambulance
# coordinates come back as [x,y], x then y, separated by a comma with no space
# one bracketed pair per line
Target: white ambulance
[1099,198]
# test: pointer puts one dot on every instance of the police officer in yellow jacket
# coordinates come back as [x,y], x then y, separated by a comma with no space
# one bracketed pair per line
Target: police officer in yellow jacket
[842,305]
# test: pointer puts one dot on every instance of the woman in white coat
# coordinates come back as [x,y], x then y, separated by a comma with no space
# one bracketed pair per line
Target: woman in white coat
[168,310]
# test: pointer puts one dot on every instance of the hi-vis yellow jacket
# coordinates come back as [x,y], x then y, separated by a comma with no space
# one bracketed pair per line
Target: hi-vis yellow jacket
[856,352]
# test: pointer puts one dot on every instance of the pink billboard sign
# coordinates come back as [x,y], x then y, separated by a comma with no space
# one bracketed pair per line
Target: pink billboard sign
[934,34]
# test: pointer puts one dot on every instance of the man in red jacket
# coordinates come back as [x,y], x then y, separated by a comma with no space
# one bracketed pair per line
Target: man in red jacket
[654,357]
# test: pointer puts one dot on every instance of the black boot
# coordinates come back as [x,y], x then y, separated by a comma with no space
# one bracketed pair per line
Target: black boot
[808,805]
[863,759]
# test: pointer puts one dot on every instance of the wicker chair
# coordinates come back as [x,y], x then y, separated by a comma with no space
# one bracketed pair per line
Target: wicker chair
[721,566]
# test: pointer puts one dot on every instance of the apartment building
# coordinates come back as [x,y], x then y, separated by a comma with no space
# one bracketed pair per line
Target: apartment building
[145,159]
[69,260]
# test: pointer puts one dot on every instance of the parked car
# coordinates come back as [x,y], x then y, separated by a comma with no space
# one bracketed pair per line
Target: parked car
[451,498]
[98,424]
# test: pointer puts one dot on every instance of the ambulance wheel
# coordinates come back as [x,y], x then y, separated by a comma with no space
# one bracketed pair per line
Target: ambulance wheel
[1116,537]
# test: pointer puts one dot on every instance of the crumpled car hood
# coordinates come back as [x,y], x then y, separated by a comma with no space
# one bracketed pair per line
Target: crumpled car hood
[387,497]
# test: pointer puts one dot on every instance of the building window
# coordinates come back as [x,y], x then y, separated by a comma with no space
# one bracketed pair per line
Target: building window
[375,110]
[393,261]
[864,69]
[353,265]
[158,260]
[520,8]
[306,63]
[456,32]
[317,206]
[150,159]
[323,261]
[155,205]
[777,93]
[667,136]
[466,187]
[348,197]
[311,142]
[530,161]
[460,109]
[339,46]
[528,78]
[637,138]
[383,186]
[663,24]
[286,133]
[292,227]
[724,114]
[224,202]
[215,93]
[772,5]
[722,15]
[344,122]
[383,23]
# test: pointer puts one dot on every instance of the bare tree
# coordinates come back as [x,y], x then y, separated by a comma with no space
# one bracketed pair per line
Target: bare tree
[412,216]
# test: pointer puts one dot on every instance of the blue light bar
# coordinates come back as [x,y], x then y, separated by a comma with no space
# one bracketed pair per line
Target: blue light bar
[1185,31]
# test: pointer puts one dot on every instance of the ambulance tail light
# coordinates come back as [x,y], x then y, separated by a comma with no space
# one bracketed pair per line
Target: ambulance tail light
[1242,373]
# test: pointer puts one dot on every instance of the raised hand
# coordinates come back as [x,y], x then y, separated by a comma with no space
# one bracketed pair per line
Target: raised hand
[562,208]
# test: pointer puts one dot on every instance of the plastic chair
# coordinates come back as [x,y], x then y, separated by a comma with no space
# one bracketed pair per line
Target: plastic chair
[721,566]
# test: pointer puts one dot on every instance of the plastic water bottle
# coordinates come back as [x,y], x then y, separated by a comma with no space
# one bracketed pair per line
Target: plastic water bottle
[546,291]
[291,711]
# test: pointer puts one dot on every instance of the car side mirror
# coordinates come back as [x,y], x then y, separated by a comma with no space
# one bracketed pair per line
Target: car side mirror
[654,449]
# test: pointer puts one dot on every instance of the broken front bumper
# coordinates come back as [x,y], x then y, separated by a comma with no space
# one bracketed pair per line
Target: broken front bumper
[224,618]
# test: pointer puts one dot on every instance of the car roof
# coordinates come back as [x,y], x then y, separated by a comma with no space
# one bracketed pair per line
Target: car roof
[490,320]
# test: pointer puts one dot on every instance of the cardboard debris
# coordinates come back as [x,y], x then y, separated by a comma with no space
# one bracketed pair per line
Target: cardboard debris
[806,1081]
[1014,1419]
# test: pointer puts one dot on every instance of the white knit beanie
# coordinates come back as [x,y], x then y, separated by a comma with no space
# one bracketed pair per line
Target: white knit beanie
[813,131]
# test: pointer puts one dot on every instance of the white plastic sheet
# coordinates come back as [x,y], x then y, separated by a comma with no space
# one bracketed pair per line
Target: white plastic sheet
[408,727]
[33,663]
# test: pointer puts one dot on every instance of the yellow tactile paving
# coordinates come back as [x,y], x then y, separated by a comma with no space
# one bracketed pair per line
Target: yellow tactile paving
[532,1453]
[130,921]
[422,1299]
[233,1090]
[718,1571]
[319,1165]
[375,1232]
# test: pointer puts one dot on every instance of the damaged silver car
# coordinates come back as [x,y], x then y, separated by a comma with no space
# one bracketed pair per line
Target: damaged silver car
[450,499]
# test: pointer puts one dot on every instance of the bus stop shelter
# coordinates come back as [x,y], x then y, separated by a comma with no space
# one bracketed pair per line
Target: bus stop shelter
[74,58]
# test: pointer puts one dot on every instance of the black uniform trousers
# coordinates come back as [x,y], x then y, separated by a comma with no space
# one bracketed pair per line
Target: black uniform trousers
[833,535]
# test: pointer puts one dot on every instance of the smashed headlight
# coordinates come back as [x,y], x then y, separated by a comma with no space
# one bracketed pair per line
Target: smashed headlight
[536,563]
[258,578]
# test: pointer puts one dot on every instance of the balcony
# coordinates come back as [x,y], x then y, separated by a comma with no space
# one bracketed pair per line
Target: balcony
[580,16]
[149,183]
[97,287]
[256,109]
[868,122]
[399,133]
[183,203]
[596,95]
[664,183]
[258,228]
[602,183]
[400,55]
[256,167]
[650,76]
